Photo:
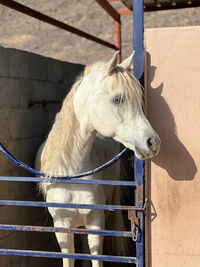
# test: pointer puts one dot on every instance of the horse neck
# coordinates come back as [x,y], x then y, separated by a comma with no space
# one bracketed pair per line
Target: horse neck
[77,146]
[69,143]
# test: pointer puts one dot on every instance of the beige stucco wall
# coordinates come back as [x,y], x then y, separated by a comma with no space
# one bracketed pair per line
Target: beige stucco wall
[174,175]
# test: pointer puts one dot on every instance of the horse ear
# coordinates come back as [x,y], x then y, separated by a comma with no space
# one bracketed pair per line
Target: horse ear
[127,62]
[109,67]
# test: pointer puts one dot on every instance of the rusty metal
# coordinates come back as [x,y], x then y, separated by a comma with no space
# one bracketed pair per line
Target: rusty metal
[49,229]
[68,205]
[118,39]
[109,9]
[124,11]
[134,224]
[135,231]
[135,228]
[132,216]
[38,15]
[139,195]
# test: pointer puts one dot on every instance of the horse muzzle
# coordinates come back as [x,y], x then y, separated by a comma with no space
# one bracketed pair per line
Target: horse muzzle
[151,149]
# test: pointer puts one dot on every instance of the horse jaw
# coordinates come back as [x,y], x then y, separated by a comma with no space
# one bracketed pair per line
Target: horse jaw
[140,137]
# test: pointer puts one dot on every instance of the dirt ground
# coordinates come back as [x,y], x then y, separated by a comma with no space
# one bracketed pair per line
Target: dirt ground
[22,32]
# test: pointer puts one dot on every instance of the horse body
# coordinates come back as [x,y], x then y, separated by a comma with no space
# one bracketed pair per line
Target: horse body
[103,149]
[107,100]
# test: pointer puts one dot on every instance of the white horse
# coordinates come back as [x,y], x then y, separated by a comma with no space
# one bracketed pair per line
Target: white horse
[107,100]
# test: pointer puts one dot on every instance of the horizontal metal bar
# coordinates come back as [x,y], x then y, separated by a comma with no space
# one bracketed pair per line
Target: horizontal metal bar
[30,228]
[170,7]
[73,181]
[43,102]
[109,9]
[38,15]
[124,11]
[66,205]
[48,254]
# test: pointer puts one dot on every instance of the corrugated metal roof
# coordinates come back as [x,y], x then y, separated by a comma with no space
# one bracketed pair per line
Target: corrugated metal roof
[153,5]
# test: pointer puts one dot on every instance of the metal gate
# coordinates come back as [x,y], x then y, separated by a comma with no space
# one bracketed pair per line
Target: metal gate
[136,234]
[136,212]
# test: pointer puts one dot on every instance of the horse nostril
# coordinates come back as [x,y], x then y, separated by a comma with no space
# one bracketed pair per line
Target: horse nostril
[150,143]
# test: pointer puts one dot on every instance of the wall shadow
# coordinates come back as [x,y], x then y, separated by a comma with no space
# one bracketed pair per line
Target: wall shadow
[174,156]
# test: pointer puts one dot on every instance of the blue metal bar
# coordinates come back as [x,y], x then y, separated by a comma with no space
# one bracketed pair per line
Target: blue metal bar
[28,228]
[73,181]
[140,246]
[47,175]
[138,37]
[48,254]
[66,205]
[138,46]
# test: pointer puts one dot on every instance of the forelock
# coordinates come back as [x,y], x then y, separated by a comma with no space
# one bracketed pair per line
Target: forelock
[122,81]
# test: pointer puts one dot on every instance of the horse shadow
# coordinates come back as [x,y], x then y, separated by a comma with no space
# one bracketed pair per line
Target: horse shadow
[174,157]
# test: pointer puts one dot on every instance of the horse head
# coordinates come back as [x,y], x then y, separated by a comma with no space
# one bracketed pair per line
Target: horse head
[111,98]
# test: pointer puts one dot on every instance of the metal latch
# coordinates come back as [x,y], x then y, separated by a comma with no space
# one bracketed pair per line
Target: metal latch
[134,224]
[132,215]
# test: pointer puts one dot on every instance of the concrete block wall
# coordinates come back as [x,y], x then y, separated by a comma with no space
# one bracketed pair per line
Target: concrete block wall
[27,77]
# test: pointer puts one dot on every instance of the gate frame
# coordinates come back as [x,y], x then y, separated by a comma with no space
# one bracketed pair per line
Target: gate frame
[139,165]
[139,73]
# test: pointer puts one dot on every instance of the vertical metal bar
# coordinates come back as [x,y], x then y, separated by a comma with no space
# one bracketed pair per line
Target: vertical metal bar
[138,46]
[147,185]
[139,176]
[138,39]
[118,39]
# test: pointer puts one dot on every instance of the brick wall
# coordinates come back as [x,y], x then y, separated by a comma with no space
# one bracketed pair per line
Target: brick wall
[27,77]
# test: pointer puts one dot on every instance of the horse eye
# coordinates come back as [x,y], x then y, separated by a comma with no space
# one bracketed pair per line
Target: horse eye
[118,99]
